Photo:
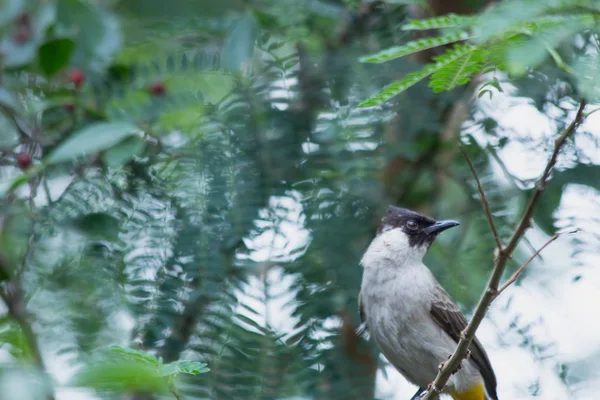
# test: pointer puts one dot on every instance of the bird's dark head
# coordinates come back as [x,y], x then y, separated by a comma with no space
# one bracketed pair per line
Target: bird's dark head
[403,238]
[419,229]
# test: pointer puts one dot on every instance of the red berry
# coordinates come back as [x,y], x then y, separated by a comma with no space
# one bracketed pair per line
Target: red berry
[157,88]
[77,77]
[69,107]
[24,160]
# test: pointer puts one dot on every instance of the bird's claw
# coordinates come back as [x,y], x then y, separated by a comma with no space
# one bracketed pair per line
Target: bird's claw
[443,363]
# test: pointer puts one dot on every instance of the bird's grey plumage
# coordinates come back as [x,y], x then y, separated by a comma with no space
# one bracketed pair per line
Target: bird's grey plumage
[449,317]
[408,314]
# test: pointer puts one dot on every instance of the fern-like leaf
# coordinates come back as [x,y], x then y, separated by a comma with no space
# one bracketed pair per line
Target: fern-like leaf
[445,21]
[458,72]
[411,79]
[413,47]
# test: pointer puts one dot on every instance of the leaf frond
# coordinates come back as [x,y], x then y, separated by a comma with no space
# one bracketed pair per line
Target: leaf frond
[414,47]
[411,79]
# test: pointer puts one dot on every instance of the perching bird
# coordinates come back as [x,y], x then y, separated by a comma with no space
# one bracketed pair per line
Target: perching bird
[411,318]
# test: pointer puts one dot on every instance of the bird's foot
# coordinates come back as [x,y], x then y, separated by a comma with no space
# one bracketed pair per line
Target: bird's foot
[443,363]
[431,387]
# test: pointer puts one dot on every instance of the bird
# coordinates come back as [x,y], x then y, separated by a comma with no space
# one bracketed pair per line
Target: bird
[410,317]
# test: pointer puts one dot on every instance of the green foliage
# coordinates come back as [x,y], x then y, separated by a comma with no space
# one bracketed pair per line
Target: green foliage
[54,55]
[98,226]
[214,159]
[91,139]
[125,370]
[457,72]
[441,22]
[447,65]
[414,47]
[508,40]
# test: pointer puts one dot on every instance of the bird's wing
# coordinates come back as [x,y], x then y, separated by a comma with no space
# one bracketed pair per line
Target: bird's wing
[363,328]
[448,316]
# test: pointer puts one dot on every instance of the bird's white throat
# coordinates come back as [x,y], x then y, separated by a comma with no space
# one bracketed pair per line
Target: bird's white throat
[392,245]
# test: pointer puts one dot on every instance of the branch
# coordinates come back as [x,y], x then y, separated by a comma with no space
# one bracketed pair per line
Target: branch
[504,255]
[486,205]
[514,277]
[12,295]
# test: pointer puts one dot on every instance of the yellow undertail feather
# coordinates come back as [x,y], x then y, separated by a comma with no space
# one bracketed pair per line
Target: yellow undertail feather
[474,393]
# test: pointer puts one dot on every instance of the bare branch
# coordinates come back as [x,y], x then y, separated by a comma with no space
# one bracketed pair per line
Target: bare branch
[486,205]
[514,276]
[12,295]
[500,262]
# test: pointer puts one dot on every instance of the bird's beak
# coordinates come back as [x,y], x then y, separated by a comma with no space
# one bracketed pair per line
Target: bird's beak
[441,226]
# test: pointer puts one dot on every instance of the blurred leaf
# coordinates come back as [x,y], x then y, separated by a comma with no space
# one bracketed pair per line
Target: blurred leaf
[395,88]
[98,226]
[123,152]
[183,367]
[121,376]
[15,233]
[588,76]
[135,354]
[17,53]
[13,340]
[10,9]
[239,45]
[91,139]
[54,55]
[9,136]
[444,21]
[413,47]
[7,99]
[97,33]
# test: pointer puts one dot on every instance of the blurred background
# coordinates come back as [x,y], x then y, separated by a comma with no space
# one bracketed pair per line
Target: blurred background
[187,187]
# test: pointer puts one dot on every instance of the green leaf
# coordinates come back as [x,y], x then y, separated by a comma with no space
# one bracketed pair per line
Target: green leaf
[13,341]
[239,46]
[588,76]
[9,136]
[413,47]
[183,367]
[98,226]
[457,72]
[17,228]
[17,54]
[55,54]
[134,354]
[411,79]
[121,376]
[445,21]
[98,34]
[120,154]
[91,139]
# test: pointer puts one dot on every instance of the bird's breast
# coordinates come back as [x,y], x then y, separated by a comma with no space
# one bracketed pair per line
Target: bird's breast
[397,309]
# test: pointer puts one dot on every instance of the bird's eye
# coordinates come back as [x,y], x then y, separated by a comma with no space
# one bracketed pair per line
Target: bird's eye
[411,225]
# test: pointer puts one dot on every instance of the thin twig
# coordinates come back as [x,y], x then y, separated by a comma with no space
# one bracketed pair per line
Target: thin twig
[514,276]
[173,390]
[12,295]
[491,292]
[486,205]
